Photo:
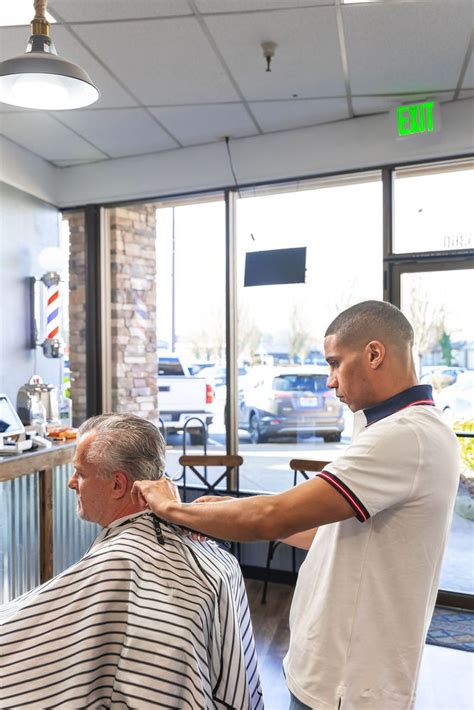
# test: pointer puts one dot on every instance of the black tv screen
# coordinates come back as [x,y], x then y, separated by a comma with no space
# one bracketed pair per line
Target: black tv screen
[275,266]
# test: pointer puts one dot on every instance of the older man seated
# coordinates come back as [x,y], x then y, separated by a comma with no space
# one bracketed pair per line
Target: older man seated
[147,618]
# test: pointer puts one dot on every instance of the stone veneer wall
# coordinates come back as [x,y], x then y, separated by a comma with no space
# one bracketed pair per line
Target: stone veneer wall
[77,315]
[133,310]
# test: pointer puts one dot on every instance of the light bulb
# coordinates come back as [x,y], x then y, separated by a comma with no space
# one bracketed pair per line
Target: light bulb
[39,90]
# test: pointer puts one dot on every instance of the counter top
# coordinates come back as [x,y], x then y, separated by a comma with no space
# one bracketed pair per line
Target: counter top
[38,460]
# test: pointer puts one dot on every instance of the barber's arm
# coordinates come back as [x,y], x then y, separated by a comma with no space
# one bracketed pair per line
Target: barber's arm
[302,540]
[274,517]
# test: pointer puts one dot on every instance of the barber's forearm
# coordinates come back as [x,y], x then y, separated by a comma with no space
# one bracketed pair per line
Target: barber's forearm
[242,519]
[302,540]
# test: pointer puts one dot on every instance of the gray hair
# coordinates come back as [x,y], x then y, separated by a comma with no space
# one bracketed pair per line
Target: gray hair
[372,320]
[125,442]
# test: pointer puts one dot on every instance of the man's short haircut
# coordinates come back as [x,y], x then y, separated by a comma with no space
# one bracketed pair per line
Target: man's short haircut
[125,442]
[372,320]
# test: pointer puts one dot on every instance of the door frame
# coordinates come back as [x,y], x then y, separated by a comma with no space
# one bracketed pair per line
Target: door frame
[429,263]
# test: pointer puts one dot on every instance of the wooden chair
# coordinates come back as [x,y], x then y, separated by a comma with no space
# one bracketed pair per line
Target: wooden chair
[204,462]
[300,467]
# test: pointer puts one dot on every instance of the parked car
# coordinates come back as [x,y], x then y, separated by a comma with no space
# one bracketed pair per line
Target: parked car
[290,400]
[441,377]
[183,397]
[457,401]
[200,367]
[218,374]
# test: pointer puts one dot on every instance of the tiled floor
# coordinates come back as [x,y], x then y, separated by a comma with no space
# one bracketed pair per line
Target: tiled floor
[446,677]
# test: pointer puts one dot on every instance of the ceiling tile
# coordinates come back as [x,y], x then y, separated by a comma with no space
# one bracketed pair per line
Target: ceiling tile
[365,105]
[203,124]
[284,115]
[162,61]
[251,5]
[306,62]
[40,133]
[406,47]
[92,10]
[119,132]
[13,42]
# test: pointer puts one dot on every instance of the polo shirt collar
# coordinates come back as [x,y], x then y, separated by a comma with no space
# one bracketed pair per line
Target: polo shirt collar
[419,394]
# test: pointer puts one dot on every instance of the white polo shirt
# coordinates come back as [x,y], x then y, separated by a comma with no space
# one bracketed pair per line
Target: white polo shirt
[365,593]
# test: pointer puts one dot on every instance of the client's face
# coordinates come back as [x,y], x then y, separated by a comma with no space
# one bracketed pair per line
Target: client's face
[92,491]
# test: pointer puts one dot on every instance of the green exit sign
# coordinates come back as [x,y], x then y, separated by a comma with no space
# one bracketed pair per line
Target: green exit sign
[418,118]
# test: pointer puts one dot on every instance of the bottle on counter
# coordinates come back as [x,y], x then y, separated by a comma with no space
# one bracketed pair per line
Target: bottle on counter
[38,416]
[65,410]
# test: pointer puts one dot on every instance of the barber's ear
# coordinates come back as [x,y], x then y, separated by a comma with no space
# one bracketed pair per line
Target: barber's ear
[120,484]
[376,353]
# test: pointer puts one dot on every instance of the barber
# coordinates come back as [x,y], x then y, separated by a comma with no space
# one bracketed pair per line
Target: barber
[366,591]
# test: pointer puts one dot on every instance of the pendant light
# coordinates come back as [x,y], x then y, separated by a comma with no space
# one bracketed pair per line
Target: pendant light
[39,78]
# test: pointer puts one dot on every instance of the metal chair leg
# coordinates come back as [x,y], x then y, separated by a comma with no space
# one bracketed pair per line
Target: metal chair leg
[271,551]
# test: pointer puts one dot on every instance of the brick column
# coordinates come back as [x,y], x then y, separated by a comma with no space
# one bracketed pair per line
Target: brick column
[77,315]
[133,310]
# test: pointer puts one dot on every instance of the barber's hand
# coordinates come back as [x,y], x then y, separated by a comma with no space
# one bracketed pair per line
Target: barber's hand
[197,536]
[154,494]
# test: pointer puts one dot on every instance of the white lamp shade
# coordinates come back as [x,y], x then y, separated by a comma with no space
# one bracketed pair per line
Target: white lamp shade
[45,81]
[52,259]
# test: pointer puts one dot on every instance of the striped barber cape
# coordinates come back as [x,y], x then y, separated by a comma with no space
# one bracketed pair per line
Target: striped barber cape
[146,619]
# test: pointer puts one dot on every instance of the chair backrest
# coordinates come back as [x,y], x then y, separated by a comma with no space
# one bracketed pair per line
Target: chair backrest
[211,460]
[204,462]
[303,466]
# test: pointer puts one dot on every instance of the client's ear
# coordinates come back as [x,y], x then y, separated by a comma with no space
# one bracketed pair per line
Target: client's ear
[120,484]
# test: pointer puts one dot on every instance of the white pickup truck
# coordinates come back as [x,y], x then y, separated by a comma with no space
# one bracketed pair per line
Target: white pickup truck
[183,397]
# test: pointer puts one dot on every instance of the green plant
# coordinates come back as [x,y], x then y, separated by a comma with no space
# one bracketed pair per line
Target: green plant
[466,445]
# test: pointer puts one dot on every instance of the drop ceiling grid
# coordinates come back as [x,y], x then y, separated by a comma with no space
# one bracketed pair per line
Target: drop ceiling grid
[203,124]
[284,115]
[218,6]
[112,95]
[364,105]
[410,47]
[161,58]
[91,10]
[468,83]
[118,132]
[43,135]
[307,59]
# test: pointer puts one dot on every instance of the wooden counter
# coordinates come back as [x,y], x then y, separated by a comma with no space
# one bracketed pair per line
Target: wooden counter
[42,461]
[38,460]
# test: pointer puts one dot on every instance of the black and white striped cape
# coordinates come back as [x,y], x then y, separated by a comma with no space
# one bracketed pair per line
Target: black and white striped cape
[146,619]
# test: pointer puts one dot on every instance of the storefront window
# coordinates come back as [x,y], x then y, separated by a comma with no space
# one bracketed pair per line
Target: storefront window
[433,208]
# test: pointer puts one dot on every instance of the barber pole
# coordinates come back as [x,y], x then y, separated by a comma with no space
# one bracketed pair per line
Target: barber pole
[53,346]
[52,312]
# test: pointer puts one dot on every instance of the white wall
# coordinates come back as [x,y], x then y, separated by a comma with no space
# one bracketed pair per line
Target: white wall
[26,226]
[356,143]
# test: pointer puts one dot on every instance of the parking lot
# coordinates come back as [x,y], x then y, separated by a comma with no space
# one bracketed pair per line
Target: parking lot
[266,466]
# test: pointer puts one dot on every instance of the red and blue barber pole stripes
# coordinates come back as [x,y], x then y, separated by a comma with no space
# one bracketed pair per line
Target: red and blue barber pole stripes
[52,312]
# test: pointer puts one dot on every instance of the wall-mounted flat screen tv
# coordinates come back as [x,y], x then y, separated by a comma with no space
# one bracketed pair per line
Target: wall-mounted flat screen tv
[275,266]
